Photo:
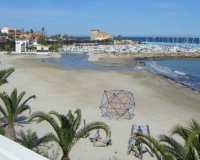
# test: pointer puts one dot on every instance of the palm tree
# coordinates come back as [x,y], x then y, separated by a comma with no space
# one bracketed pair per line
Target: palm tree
[4,74]
[13,107]
[31,141]
[155,146]
[167,148]
[68,132]
[190,134]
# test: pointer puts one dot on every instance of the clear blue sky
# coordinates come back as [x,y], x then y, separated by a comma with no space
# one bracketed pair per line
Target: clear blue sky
[124,17]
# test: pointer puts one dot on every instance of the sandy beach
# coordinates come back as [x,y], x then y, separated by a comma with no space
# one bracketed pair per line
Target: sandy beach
[161,103]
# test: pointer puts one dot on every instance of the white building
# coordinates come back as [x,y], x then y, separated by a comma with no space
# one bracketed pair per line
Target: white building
[5,29]
[21,46]
[40,47]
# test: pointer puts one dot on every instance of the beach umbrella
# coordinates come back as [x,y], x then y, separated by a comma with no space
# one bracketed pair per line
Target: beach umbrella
[117,104]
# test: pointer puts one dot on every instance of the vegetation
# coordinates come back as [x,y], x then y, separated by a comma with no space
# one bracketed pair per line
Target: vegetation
[8,48]
[31,48]
[167,148]
[54,47]
[68,132]
[2,131]
[31,141]
[119,38]
[12,108]
[7,45]
[4,74]
[31,31]
[43,31]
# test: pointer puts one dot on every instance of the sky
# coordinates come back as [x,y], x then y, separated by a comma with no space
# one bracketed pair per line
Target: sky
[117,17]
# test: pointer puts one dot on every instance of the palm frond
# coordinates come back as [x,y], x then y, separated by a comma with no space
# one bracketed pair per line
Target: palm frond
[90,127]
[23,108]
[8,105]
[156,147]
[31,97]
[19,98]
[46,138]
[77,120]
[41,116]
[181,131]
[193,125]
[4,74]
[2,131]
[69,118]
[172,146]
[58,117]
[31,140]
[3,111]
[193,139]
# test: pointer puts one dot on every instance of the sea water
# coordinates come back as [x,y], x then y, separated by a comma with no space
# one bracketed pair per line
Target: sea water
[182,70]
[80,61]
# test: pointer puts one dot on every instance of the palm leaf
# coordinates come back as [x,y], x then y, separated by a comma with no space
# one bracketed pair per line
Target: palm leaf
[77,121]
[4,74]
[58,116]
[23,103]
[23,108]
[3,111]
[193,139]
[45,117]
[181,131]
[31,140]
[156,147]
[172,146]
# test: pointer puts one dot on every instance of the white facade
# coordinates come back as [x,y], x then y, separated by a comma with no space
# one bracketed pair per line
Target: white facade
[21,46]
[40,47]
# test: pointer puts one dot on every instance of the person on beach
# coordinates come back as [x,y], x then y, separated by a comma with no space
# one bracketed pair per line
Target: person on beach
[134,146]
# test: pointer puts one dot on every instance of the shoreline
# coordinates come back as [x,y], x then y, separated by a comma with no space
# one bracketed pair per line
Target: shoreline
[111,61]
[114,61]
[62,89]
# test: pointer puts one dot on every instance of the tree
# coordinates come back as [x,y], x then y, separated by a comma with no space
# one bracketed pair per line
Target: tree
[4,74]
[167,148]
[43,31]
[68,132]
[31,141]
[12,108]
[119,37]
[31,30]
[32,48]
[42,41]
[8,47]
[54,47]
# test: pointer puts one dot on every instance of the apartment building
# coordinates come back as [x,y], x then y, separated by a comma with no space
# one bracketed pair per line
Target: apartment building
[11,31]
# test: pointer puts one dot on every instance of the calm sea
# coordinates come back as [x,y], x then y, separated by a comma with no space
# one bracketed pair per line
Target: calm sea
[182,70]
[80,61]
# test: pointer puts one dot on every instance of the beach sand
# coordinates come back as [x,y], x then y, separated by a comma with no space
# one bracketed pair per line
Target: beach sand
[161,103]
